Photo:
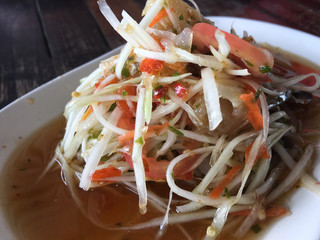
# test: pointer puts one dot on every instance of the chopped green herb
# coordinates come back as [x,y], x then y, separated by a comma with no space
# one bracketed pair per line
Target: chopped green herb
[172,174]
[226,191]
[105,158]
[131,58]
[189,22]
[125,72]
[233,32]
[249,63]
[256,96]
[113,69]
[112,107]
[181,17]
[176,131]
[94,133]
[197,106]
[140,140]
[256,228]
[176,74]
[165,4]
[264,69]
[163,99]
[124,93]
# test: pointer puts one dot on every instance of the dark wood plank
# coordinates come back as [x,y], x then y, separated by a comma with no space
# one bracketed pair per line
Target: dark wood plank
[67,33]
[23,53]
[134,8]
[74,35]
[294,13]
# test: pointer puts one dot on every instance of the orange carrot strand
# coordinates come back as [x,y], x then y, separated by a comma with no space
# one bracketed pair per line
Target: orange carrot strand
[216,192]
[87,113]
[158,17]
[254,115]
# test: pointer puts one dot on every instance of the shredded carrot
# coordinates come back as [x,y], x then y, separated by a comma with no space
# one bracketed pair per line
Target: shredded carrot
[87,113]
[254,115]
[262,153]
[154,129]
[158,17]
[274,211]
[216,192]
[100,174]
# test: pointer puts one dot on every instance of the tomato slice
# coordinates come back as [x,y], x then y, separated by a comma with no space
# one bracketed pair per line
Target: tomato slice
[128,111]
[259,61]
[151,66]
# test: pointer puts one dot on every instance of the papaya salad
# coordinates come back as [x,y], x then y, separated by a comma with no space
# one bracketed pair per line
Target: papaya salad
[186,102]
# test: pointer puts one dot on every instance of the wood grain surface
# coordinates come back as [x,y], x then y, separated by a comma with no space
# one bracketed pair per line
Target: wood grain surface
[42,39]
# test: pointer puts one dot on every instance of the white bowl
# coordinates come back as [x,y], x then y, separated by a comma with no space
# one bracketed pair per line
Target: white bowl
[27,114]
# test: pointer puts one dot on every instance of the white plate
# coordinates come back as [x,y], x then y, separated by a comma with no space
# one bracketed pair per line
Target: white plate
[32,111]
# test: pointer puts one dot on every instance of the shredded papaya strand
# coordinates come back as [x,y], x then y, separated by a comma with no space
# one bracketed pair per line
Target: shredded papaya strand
[100,174]
[158,17]
[274,211]
[253,115]
[97,85]
[87,113]
[129,136]
[262,153]
[216,192]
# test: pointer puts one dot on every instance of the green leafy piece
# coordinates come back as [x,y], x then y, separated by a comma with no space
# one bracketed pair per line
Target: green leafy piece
[112,107]
[94,133]
[181,17]
[264,69]
[176,131]
[176,74]
[249,63]
[140,140]
[113,69]
[256,96]
[105,158]
[163,99]
[124,93]
[256,228]
[226,191]
[233,32]
[125,72]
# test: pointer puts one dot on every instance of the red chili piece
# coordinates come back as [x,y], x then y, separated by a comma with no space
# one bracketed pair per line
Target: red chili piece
[180,90]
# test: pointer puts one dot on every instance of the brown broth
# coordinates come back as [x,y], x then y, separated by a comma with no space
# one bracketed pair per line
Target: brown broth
[45,209]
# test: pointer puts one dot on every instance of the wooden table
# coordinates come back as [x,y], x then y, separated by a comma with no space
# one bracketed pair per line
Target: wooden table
[42,39]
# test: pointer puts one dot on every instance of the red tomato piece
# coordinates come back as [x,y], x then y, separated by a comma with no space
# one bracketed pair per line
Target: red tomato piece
[160,91]
[151,66]
[100,174]
[123,105]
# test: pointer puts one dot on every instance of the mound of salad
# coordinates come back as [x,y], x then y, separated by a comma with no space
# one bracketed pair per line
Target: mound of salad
[187,102]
